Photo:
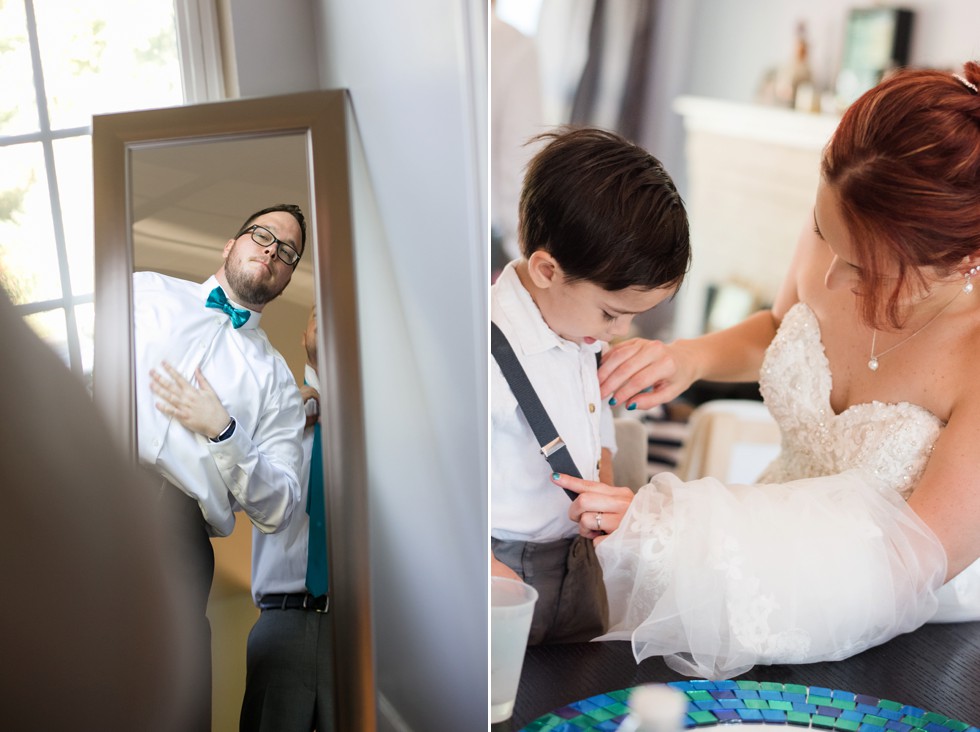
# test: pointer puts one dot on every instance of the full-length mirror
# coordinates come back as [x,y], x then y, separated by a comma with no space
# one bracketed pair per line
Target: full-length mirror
[172,186]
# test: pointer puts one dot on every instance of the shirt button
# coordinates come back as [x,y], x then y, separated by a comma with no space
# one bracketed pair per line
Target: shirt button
[591,408]
[156,443]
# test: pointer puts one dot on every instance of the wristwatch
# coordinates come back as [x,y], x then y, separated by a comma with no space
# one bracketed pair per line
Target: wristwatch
[225,433]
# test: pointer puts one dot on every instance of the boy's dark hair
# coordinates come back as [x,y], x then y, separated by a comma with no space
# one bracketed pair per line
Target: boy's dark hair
[290,208]
[606,210]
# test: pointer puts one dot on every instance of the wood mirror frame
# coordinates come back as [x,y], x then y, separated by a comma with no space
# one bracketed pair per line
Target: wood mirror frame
[323,118]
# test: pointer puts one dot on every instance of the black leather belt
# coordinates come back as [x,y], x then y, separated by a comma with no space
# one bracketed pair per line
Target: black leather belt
[296,601]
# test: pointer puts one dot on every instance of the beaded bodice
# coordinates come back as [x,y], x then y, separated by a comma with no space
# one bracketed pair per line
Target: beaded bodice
[893,441]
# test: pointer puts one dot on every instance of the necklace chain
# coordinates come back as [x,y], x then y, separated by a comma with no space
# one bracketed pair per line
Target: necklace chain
[873,361]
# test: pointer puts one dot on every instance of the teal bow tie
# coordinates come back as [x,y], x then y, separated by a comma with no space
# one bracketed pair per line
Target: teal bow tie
[218,299]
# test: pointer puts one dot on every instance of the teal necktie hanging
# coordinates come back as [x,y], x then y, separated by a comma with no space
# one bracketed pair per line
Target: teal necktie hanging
[316,552]
[218,299]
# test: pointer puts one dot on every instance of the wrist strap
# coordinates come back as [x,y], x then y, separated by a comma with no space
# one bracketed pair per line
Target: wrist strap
[225,433]
[552,446]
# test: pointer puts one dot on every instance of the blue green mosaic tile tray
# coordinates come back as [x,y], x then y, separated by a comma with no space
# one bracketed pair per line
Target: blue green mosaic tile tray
[753,702]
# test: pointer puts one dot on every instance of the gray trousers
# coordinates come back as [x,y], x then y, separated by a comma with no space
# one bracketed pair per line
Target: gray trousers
[571,604]
[289,673]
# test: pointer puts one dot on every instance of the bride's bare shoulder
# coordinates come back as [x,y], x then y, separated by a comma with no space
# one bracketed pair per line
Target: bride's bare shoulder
[807,271]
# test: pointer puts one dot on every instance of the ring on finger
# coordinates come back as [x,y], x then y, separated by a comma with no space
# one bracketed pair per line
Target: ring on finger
[598,521]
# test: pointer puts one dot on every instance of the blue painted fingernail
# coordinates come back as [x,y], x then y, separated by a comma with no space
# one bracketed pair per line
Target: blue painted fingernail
[631,407]
[644,391]
[555,476]
[612,401]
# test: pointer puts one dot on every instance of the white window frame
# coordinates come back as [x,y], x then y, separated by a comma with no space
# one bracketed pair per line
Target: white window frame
[199,46]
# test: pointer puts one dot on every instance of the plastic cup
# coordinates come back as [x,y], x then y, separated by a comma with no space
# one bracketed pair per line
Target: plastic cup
[511,608]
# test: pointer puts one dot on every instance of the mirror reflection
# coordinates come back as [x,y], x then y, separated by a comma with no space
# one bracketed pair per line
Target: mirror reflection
[201,214]
[188,200]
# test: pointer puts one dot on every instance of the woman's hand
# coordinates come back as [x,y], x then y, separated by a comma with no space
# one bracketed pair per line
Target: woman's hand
[599,508]
[642,373]
[307,393]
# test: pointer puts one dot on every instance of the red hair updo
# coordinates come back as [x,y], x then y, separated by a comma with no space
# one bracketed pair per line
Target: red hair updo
[905,162]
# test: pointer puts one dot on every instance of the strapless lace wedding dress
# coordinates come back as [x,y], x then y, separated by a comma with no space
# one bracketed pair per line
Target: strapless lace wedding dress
[818,561]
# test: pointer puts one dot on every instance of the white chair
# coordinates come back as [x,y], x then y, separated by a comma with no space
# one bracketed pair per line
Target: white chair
[732,440]
[630,461]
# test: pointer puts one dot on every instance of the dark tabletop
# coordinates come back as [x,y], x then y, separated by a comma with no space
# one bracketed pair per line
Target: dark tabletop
[935,668]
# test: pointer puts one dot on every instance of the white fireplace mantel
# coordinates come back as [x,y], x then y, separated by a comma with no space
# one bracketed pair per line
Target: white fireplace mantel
[774,125]
[752,172]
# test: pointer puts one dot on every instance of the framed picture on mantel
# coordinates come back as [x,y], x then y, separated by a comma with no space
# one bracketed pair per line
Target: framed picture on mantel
[876,40]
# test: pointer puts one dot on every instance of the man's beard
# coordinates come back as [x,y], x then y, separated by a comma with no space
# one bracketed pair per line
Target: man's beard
[250,289]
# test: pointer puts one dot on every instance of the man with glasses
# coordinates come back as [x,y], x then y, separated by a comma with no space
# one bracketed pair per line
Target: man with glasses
[220,419]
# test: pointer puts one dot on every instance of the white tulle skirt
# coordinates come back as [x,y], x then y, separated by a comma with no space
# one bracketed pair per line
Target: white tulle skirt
[720,578]
[959,599]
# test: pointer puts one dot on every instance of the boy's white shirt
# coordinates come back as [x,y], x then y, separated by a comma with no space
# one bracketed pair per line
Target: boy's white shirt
[524,503]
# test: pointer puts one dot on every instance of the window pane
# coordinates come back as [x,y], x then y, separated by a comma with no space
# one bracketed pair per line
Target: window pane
[73,163]
[28,256]
[18,105]
[52,327]
[85,320]
[104,56]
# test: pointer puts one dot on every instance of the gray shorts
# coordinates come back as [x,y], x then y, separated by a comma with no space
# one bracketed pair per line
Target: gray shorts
[571,604]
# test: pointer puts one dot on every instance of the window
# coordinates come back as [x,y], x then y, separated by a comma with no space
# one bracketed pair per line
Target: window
[61,63]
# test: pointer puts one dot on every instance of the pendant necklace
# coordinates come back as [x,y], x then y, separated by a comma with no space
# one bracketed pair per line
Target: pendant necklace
[873,361]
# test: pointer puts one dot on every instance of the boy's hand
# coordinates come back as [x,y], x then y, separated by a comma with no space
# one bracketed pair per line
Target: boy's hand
[642,374]
[499,569]
[609,502]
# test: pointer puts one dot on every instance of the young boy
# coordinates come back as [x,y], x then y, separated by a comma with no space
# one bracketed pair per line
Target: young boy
[604,237]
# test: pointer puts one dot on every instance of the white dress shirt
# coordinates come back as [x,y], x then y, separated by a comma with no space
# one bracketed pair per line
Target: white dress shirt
[279,560]
[525,504]
[256,468]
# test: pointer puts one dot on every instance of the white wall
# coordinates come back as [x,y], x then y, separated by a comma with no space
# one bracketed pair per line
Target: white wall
[736,40]
[721,48]
[274,46]
[417,79]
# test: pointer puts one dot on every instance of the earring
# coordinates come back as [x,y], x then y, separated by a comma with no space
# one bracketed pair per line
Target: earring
[968,287]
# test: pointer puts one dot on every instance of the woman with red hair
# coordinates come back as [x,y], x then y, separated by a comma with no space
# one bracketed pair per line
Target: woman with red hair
[865,526]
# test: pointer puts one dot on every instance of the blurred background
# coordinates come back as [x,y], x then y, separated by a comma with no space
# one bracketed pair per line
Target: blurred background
[737,98]
[708,86]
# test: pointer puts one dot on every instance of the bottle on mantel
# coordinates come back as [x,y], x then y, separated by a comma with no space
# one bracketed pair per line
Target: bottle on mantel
[656,708]
[794,81]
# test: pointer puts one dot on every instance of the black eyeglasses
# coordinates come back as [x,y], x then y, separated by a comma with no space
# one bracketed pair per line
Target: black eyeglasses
[265,238]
